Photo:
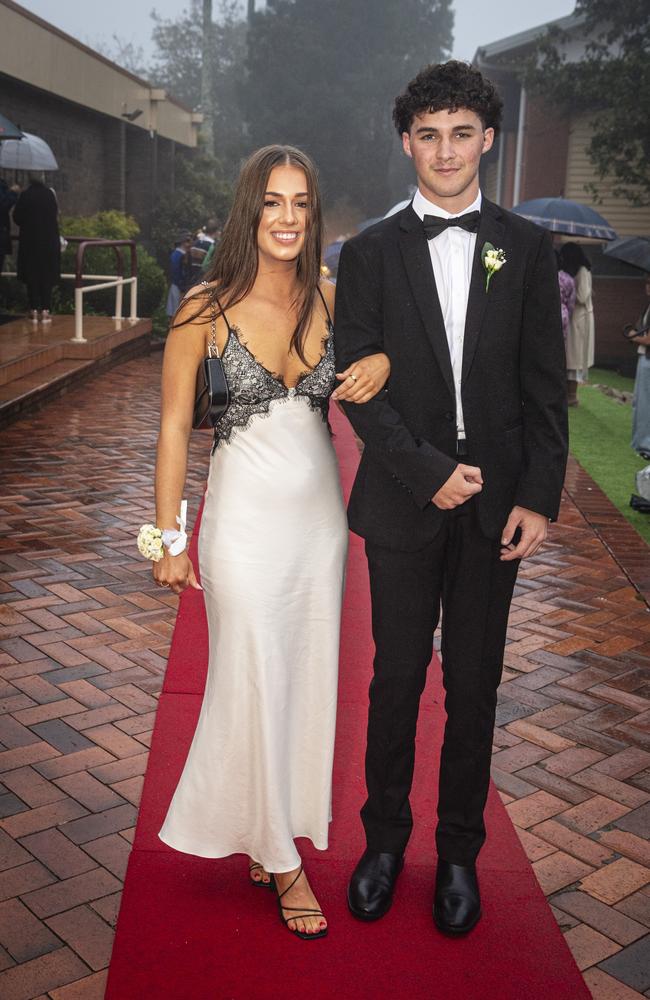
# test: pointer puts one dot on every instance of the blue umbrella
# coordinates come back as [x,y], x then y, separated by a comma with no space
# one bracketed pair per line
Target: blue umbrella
[561,215]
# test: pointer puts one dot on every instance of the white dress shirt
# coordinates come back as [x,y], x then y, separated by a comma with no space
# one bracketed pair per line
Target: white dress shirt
[452,255]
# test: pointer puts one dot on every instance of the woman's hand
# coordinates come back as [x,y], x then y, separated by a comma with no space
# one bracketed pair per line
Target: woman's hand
[175,572]
[363,379]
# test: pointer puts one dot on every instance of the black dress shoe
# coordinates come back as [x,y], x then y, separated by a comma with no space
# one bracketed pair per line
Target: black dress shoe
[457,906]
[372,885]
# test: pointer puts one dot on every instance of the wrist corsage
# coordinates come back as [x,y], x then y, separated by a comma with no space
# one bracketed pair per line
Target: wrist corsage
[153,541]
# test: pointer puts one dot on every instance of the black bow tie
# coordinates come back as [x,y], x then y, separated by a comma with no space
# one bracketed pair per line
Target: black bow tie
[433,225]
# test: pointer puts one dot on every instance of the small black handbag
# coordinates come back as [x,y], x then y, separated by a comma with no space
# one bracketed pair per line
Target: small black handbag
[212,394]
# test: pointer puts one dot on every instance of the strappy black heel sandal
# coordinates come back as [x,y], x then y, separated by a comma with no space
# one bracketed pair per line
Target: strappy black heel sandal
[256,866]
[299,912]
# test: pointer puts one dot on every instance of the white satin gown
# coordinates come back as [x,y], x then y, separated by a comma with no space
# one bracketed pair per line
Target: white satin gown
[272,550]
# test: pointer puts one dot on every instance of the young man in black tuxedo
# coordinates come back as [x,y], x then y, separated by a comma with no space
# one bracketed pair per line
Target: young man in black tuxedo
[463,465]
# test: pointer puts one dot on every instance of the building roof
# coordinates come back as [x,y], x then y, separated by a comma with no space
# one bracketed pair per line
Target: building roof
[37,53]
[524,39]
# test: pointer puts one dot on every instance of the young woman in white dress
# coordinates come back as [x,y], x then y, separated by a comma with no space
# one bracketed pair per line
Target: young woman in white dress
[580,337]
[273,536]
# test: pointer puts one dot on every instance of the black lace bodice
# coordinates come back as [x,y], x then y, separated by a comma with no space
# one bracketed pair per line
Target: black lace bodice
[253,387]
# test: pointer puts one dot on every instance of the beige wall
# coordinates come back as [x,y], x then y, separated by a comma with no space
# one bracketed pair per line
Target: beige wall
[622,216]
[38,54]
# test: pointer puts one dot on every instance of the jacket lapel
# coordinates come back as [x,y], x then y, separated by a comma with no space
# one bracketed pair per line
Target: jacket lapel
[415,253]
[491,230]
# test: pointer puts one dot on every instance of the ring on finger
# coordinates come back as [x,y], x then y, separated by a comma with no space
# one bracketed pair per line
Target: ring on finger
[355,378]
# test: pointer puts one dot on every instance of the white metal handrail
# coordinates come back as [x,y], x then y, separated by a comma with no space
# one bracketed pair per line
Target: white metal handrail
[105,281]
[116,283]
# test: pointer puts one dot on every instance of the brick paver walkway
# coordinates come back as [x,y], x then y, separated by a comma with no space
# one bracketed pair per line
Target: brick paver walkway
[83,640]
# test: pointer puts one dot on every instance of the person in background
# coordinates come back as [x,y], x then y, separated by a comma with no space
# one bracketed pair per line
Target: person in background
[567,296]
[580,338]
[39,249]
[8,198]
[641,404]
[206,263]
[203,245]
[179,272]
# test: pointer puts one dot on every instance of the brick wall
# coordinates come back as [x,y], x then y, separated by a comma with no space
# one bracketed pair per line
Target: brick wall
[617,301]
[76,137]
[139,186]
[87,146]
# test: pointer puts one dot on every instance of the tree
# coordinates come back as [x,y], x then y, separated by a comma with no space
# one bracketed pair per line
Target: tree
[126,54]
[200,193]
[207,91]
[323,76]
[613,81]
[177,62]
[201,189]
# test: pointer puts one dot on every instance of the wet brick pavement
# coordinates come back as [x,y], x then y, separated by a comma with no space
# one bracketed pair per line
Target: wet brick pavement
[84,636]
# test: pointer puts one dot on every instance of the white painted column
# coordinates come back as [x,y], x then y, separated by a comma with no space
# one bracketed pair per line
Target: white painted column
[519,155]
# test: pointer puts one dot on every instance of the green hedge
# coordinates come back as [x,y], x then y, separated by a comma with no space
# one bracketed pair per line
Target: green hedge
[112,225]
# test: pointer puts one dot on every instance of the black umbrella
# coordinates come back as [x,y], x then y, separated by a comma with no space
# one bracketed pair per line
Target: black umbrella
[633,250]
[8,130]
[561,215]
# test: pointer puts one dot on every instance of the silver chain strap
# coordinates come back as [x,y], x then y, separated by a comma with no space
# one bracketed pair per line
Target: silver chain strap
[213,350]
[212,346]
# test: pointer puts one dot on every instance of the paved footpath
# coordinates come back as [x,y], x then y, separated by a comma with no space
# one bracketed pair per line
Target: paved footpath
[84,636]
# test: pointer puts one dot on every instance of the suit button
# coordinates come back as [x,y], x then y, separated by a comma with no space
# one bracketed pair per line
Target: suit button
[450,416]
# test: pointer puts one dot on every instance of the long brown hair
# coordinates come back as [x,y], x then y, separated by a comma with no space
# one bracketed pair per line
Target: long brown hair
[235,262]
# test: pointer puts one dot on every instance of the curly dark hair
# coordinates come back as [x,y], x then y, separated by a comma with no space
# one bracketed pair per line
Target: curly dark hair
[452,85]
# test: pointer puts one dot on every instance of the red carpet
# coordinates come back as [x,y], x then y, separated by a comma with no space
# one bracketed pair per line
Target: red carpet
[193,929]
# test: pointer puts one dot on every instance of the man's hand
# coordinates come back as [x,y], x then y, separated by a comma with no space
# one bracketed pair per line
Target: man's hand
[643,339]
[363,379]
[534,528]
[463,483]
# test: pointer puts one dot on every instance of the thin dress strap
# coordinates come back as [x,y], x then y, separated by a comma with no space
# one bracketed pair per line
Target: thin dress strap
[325,304]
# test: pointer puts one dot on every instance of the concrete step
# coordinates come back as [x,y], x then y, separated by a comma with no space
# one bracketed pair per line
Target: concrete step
[41,372]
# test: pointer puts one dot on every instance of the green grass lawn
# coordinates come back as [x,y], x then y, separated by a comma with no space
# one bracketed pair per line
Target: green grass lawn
[600,433]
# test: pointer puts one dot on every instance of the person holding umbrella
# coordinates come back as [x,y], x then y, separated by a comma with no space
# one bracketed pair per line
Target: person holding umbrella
[580,336]
[8,198]
[640,335]
[39,249]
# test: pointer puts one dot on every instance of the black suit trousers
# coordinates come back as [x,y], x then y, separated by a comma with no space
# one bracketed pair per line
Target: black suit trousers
[461,572]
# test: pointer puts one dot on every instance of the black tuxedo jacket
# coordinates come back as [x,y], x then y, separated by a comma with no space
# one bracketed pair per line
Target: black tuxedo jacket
[513,380]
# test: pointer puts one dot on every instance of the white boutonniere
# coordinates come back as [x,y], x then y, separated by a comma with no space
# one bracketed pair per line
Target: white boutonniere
[493,260]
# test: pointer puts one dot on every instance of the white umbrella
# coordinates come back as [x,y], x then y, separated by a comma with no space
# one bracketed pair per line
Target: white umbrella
[28,153]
